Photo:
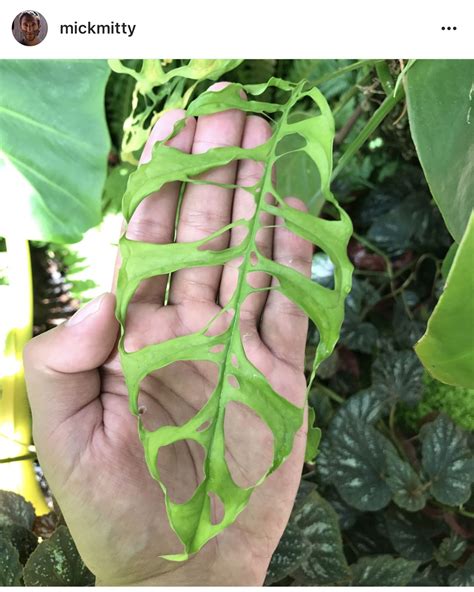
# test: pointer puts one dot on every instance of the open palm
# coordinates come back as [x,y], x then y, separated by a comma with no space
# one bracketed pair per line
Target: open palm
[86,438]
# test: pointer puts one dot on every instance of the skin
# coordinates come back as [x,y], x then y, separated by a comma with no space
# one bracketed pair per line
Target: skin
[30,28]
[87,439]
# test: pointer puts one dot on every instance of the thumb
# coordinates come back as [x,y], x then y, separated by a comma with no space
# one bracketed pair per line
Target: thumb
[61,365]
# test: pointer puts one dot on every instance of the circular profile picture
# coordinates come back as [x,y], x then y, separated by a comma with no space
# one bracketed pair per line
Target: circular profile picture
[29,27]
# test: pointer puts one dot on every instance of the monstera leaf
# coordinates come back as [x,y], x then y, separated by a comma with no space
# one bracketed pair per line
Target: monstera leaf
[191,520]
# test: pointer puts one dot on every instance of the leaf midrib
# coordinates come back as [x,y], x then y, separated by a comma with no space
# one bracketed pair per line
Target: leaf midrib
[243,270]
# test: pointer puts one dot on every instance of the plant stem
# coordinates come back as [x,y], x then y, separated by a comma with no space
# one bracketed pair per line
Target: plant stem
[347,96]
[330,393]
[369,128]
[15,420]
[385,77]
[344,70]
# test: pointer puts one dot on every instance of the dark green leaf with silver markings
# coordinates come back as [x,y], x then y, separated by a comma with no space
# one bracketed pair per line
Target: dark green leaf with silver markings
[383,570]
[407,489]
[24,541]
[292,549]
[358,463]
[56,562]
[14,509]
[400,374]
[463,576]
[10,566]
[450,549]
[326,565]
[447,460]
[410,534]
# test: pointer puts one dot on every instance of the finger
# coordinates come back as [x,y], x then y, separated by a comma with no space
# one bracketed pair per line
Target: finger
[154,219]
[257,131]
[284,325]
[207,208]
[61,368]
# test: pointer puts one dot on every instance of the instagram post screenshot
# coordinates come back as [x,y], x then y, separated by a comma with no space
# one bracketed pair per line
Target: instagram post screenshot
[237,294]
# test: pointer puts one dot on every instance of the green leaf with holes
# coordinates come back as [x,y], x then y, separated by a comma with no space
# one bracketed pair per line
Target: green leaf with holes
[53,156]
[440,99]
[383,570]
[56,562]
[10,566]
[447,347]
[326,564]
[447,460]
[324,306]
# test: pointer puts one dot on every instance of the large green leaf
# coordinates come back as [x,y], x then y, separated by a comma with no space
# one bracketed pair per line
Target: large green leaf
[191,520]
[53,132]
[447,347]
[440,97]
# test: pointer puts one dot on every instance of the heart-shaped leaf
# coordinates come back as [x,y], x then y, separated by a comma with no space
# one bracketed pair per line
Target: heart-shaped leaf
[447,460]
[408,491]
[56,562]
[319,523]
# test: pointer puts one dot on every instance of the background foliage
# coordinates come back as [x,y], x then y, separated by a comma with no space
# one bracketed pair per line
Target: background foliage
[388,500]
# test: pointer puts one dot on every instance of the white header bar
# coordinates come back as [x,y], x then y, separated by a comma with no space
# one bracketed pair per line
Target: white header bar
[244,29]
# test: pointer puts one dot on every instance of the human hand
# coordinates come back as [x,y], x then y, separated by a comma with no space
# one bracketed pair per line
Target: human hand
[86,438]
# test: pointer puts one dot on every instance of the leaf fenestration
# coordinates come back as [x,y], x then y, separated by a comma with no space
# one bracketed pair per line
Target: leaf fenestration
[325,307]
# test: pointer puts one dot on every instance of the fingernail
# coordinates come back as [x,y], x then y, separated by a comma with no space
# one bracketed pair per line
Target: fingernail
[217,86]
[86,311]
[162,128]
